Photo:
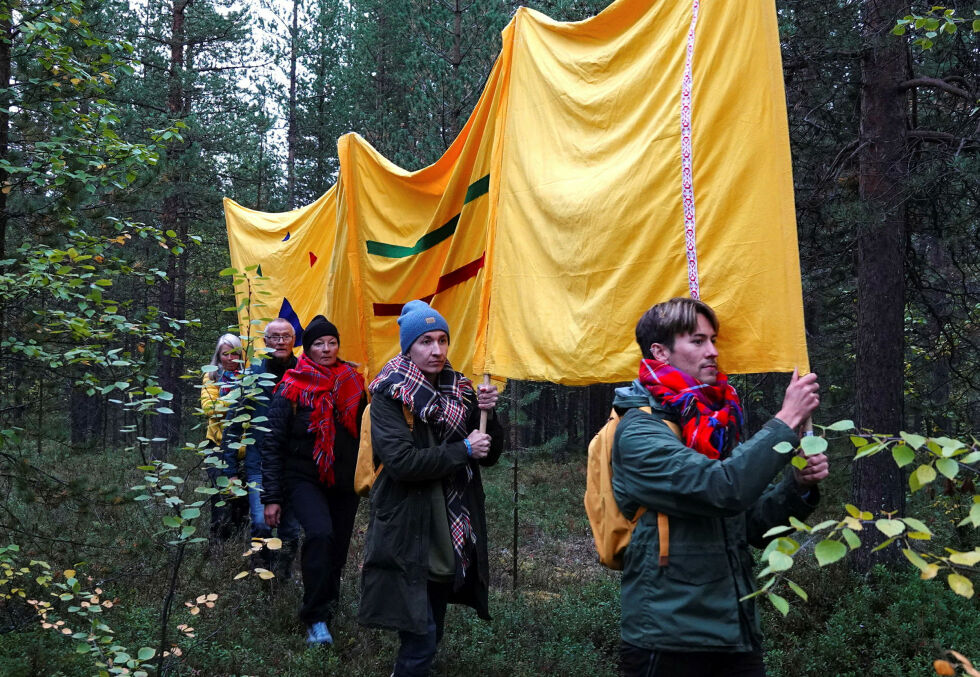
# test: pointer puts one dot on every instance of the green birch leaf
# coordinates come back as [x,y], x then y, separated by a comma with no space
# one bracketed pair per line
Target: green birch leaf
[813,445]
[868,450]
[775,531]
[801,593]
[913,557]
[779,561]
[917,525]
[947,467]
[890,527]
[829,551]
[798,525]
[852,538]
[783,448]
[903,455]
[925,474]
[914,441]
[781,604]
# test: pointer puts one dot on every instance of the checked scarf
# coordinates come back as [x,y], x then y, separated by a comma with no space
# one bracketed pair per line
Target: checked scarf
[334,394]
[443,408]
[711,415]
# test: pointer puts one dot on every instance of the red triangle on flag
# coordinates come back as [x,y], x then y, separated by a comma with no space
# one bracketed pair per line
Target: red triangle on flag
[312,258]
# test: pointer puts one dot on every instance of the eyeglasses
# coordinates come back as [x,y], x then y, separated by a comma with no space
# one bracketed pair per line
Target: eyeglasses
[229,354]
[278,338]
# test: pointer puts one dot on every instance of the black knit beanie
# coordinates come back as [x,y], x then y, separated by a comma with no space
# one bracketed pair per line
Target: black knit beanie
[318,326]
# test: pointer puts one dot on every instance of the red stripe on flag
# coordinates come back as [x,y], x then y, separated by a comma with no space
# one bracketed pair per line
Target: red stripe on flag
[450,279]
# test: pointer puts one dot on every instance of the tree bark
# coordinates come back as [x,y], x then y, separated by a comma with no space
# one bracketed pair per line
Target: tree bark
[172,301]
[877,483]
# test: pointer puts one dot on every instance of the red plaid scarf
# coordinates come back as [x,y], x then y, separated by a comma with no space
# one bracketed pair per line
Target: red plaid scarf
[711,415]
[445,409]
[334,394]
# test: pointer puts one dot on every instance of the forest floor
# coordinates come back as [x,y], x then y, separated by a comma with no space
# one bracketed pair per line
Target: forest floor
[562,618]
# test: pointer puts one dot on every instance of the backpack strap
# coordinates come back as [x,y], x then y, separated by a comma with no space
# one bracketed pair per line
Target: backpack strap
[663,524]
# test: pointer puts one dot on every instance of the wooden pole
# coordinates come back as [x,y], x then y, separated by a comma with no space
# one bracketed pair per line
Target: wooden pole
[483,412]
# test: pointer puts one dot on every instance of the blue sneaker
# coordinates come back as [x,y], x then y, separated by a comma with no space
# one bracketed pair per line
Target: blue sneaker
[318,634]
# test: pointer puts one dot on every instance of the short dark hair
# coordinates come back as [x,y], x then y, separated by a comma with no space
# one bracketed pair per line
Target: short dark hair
[667,320]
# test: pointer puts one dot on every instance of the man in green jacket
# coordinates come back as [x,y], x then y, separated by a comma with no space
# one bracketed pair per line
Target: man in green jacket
[681,609]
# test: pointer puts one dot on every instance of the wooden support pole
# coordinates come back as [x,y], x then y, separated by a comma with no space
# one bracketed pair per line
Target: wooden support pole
[483,412]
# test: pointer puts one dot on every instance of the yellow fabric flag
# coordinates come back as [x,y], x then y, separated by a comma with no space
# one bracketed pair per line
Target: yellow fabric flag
[608,165]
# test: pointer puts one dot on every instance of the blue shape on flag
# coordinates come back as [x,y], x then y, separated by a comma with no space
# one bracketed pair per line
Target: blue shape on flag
[286,312]
[259,270]
[287,236]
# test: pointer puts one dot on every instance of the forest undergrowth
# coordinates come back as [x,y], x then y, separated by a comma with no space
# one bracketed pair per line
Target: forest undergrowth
[562,617]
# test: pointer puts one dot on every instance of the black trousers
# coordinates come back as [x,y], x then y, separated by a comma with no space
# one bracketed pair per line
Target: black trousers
[327,517]
[635,661]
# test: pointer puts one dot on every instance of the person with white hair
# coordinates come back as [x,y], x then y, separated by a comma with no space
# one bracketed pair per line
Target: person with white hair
[215,386]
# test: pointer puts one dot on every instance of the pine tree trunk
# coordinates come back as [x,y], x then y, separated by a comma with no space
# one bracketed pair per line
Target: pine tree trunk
[877,483]
[172,300]
[6,38]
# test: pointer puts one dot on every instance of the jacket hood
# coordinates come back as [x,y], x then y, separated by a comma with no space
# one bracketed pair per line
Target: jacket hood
[634,395]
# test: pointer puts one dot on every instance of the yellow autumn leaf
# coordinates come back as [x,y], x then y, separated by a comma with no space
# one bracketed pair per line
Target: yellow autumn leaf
[273,544]
[265,574]
[929,572]
[195,611]
[943,668]
[240,574]
[961,585]
[965,558]
[75,81]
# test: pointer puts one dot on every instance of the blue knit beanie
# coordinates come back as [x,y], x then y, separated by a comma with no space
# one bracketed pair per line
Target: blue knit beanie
[417,318]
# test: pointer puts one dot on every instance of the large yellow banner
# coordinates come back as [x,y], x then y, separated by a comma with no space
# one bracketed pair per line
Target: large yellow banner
[609,164]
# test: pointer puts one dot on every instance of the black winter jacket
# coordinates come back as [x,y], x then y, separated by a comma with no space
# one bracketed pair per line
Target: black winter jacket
[396,553]
[287,450]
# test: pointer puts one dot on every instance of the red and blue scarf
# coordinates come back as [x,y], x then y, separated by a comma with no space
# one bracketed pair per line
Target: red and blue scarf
[334,394]
[710,415]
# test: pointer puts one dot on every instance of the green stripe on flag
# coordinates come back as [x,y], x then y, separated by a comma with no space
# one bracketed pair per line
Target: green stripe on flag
[476,189]
[431,239]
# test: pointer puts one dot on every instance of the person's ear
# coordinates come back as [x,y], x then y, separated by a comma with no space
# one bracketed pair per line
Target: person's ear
[659,352]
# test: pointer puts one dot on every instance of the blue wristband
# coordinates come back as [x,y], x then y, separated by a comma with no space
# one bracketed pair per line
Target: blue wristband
[469,448]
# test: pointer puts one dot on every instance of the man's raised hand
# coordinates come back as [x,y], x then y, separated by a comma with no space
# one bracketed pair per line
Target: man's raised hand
[801,399]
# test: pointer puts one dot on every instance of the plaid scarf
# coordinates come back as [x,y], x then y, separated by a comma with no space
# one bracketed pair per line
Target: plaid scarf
[711,415]
[445,410]
[334,394]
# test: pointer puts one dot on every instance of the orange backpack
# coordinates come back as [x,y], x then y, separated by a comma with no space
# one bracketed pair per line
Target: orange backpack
[365,472]
[610,528]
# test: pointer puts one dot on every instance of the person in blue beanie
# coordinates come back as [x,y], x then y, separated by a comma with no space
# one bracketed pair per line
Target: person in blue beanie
[426,542]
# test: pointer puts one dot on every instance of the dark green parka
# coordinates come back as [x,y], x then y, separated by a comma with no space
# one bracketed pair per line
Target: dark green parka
[395,575]
[716,509]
